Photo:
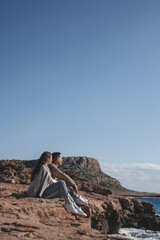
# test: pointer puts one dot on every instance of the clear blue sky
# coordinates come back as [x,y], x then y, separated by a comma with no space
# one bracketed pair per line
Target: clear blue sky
[81,77]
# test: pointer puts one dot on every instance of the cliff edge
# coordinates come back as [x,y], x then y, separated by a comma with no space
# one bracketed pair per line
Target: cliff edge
[35,218]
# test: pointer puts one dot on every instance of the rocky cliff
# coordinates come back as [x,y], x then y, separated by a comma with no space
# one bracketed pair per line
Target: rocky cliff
[34,218]
[84,162]
[85,171]
[90,163]
[37,218]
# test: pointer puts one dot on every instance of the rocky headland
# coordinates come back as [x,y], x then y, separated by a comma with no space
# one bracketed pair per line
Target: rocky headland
[109,208]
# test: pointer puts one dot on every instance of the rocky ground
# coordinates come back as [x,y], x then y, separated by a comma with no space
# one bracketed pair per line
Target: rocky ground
[35,218]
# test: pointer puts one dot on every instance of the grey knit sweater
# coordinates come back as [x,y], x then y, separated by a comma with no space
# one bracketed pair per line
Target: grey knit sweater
[40,182]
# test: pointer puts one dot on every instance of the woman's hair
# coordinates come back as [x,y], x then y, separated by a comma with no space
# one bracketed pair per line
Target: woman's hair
[41,161]
[55,155]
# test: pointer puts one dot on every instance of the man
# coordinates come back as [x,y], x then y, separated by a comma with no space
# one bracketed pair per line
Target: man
[58,174]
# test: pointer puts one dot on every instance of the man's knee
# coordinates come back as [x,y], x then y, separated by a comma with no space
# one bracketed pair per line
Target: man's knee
[62,183]
[63,186]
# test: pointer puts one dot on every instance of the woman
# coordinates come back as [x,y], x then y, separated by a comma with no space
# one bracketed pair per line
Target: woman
[43,185]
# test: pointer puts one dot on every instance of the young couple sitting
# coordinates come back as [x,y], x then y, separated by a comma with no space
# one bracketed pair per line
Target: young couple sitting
[43,183]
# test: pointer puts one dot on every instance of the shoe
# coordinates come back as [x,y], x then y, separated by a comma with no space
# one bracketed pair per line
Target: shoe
[71,208]
[80,200]
[79,210]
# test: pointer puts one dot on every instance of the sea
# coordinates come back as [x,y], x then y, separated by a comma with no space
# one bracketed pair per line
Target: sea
[145,234]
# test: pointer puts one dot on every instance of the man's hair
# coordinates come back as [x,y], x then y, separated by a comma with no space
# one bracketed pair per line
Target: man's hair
[55,155]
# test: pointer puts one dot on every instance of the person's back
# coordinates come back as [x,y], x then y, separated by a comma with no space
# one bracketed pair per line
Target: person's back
[41,176]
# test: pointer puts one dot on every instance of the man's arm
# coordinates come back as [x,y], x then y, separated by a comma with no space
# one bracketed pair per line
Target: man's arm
[56,173]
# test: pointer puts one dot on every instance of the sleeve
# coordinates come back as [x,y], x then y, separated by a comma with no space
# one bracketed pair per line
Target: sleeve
[52,180]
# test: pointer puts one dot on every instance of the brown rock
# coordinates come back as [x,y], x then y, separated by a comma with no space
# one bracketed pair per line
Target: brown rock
[37,218]
[106,212]
[148,208]
[90,163]
[126,203]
